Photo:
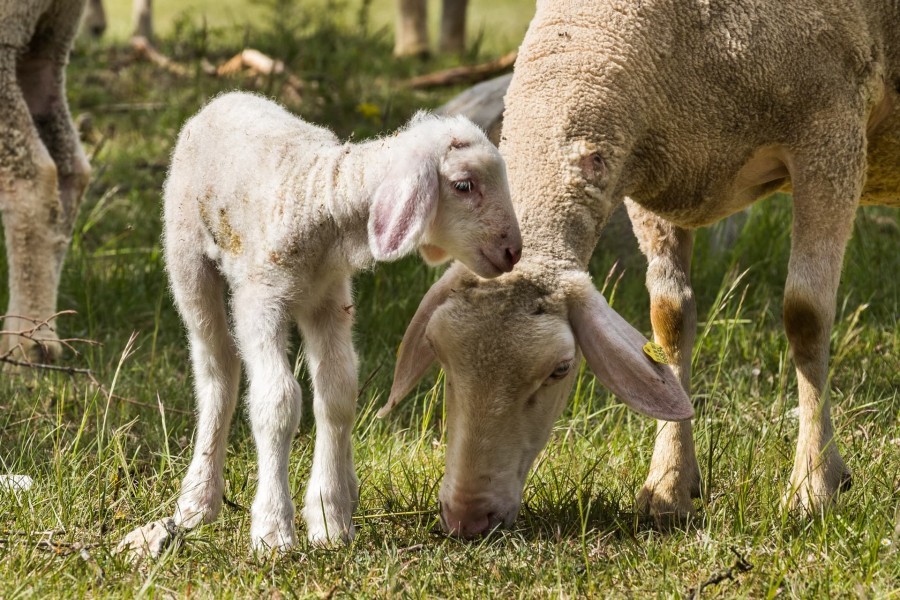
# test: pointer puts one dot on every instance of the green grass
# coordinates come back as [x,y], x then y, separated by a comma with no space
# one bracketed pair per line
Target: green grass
[102,467]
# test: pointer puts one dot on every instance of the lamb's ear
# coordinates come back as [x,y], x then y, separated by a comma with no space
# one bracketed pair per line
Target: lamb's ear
[614,351]
[415,354]
[403,206]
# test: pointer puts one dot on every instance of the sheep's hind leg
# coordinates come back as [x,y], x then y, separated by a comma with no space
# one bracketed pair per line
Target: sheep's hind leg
[827,186]
[333,490]
[674,477]
[43,174]
[274,408]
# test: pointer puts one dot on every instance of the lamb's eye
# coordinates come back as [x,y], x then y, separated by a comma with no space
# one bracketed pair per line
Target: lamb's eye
[561,370]
[464,186]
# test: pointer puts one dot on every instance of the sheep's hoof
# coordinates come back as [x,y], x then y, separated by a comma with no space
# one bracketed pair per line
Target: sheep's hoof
[43,349]
[814,492]
[149,541]
[669,499]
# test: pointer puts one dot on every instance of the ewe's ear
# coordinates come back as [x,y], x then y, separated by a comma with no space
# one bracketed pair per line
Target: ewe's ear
[415,354]
[403,206]
[614,351]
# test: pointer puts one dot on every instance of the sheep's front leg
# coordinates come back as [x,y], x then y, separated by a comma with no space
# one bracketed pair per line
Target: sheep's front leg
[274,407]
[333,490]
[826,192]
[674,477]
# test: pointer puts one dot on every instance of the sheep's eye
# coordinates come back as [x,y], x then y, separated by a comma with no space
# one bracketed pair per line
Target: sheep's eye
[464,186]
[561,370]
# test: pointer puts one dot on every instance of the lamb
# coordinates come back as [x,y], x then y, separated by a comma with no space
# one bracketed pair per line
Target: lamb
[43,169]
[692,111]
[282,214]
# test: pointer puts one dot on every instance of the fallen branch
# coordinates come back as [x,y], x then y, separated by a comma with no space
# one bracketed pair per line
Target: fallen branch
[740,566]
[464,74]
[248,60]
[144,49]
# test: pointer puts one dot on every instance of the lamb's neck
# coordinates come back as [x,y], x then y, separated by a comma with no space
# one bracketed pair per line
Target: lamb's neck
[349,176]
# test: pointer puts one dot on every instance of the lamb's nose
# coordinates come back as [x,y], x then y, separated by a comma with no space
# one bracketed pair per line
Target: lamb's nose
[513,255]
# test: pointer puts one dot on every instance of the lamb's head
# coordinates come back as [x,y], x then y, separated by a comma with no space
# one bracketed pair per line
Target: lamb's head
[510,349]
[446,194]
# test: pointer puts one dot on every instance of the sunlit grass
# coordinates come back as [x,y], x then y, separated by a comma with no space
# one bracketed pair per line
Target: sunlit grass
[101,467]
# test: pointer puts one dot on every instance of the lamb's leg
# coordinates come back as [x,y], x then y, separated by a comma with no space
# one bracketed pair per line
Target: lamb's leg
[274,408]
[43,175]
[674,477]
[411,31]
[826,193]
[333,489]
[199,292]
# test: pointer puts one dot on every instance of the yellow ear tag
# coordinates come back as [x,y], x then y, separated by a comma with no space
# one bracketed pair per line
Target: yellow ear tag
[656,352]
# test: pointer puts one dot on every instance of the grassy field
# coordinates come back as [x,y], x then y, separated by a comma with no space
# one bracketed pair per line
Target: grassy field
[106,461]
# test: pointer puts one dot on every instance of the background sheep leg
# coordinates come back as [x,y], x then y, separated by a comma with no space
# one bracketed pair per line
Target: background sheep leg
[43,175]
[827,184]
[411,28]
[674,477]
[453,26]
[274,407]
[333,487]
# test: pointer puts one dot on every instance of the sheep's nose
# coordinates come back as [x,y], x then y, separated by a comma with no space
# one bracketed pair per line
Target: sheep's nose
[513,255]
[468,521]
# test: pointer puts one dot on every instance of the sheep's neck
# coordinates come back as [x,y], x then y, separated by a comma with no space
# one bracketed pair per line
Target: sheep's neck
[564,231]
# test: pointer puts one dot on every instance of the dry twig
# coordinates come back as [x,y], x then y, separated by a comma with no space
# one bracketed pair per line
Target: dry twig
[740,566]
[464,74]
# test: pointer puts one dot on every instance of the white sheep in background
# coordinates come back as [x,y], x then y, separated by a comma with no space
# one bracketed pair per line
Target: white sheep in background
[282,213]
[43,168]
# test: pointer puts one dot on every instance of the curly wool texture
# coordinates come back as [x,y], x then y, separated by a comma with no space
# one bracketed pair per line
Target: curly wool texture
[43,169]
[678,97]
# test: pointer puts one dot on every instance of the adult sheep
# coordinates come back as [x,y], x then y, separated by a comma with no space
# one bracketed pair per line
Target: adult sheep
[43,168]
[693,110]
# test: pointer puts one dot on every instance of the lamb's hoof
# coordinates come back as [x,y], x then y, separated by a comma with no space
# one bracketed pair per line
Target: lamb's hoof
[322,537]
[669,499]
[272,532]
[149,541]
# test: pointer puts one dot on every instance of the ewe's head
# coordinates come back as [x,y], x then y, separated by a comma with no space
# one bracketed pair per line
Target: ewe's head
[510,349]
[446,194]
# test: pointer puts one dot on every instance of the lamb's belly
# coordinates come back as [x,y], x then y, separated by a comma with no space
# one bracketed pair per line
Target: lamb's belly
[883,174]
